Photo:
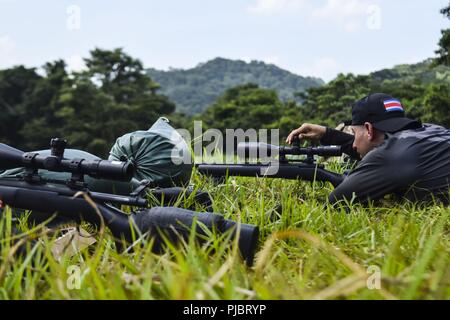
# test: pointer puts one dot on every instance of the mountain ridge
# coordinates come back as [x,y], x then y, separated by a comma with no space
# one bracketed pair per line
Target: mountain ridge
[219,74]
[194,89]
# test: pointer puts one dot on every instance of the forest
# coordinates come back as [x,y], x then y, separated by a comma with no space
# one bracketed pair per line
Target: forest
[114,95]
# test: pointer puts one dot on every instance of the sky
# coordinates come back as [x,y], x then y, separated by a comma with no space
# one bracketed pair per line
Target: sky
[319,38]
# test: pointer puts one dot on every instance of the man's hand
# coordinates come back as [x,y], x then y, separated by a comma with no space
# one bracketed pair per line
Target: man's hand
[307,131]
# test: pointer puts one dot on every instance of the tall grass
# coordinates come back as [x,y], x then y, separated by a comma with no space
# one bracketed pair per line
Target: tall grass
[307,250]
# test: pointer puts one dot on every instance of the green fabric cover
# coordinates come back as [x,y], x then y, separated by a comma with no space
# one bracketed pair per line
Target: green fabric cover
[160,154]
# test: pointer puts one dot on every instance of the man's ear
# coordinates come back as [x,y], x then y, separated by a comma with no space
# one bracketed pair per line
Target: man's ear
[370,130]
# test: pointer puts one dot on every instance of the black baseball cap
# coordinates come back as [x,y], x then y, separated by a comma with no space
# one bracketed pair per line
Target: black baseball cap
[385,112]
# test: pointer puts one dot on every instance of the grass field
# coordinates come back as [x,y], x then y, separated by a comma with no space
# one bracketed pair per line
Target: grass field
[306,251]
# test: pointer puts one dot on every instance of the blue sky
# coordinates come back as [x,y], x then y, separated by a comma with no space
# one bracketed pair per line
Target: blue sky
[315,38]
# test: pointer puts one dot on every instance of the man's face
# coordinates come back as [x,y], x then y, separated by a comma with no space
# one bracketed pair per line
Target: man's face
[363,142]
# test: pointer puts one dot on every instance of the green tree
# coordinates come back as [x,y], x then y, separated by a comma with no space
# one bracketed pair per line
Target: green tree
[195,89]
[112,97]
[245,106]
[119,74]
[437,105]
[444,43]
[90,118]
[91,109]
[16,85]
[40,107]
[331,104]
[291,117]
[251,107]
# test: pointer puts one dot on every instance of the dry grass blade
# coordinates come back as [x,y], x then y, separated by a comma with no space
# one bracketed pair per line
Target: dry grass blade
[228,264]
[263,255]
[12,252]
[344,286]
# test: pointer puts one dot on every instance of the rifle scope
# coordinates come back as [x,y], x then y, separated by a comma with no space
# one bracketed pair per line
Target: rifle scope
[260,149]
[111,170]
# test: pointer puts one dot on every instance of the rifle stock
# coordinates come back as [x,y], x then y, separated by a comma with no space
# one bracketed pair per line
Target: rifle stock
[47,198]
[280,166]
[294,171]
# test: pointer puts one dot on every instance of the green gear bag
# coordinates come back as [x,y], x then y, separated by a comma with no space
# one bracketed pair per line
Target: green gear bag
[160,155]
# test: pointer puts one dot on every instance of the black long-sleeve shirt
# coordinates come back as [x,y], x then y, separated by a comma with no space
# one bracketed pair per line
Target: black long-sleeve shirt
[413,164]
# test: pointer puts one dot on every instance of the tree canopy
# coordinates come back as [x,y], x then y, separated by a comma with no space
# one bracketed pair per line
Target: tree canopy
[444,42]
[193,90]
[114,95]
[91,108]
[424,90]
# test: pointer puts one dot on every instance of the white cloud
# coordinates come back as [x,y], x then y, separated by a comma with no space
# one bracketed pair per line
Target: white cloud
[269,59]
[272,60]
[277,6]
[246,59]
[351,25]
[346,13]
[7,52]
[75,63]
[323,67]
[341,9]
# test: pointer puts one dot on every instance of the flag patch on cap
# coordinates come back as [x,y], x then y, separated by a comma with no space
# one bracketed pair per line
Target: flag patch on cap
[392,105]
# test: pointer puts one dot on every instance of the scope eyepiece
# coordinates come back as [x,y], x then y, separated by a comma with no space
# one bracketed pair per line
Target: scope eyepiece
[114,170]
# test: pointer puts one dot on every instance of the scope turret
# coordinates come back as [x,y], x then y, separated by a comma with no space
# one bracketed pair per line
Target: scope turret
[58,146]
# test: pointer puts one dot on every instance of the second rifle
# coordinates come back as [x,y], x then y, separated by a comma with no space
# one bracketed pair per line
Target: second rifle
[277,162]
